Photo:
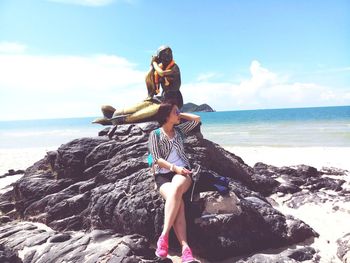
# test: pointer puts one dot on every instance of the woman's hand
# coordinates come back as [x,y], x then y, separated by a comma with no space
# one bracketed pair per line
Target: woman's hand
[182,170]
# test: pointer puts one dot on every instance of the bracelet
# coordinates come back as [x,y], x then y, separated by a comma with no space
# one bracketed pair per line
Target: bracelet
[172,168]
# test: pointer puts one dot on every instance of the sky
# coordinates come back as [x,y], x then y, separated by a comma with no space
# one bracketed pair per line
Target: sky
[66,58]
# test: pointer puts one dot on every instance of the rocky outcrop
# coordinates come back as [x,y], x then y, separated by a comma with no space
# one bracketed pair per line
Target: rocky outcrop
[8,255]
[191,107]
[288,180]
[12,172]
[40,245]
[97,184]
[344,248]
[290,255]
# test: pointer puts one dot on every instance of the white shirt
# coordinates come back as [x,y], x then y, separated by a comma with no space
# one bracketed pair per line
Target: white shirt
[174,159]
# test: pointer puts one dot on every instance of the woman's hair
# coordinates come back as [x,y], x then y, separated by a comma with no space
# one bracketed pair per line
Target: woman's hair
[164,111]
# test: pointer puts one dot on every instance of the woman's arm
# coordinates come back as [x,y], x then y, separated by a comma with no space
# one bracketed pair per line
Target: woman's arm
[190,117]
[177,169]
[187,126]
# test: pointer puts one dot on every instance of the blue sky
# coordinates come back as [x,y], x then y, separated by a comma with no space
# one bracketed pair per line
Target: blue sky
[65,58]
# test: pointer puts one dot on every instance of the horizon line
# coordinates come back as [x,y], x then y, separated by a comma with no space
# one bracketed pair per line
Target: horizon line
[259,109]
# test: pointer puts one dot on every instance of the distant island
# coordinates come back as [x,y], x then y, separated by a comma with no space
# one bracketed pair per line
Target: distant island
[191,107]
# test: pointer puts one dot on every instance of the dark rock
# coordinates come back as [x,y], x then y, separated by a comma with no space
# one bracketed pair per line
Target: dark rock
[80,248]
[290,256]
[302,254]
[298,230]
[6,207]
[259,166]
[205,108]
[294,179]
[303,171]
[264,184]
[104,132]
[325,183]
[97,183]
[333,171]
[70,161]
[87,186]
[297,181]
[5,219]
[253,224]
[343,251]
[147,127]
[287,188]
[7,196]
[307,171]
[191,107]
[60,238]
[12,172]
[8,256]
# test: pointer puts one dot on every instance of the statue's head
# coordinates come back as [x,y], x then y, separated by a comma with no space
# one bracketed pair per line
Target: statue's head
[165,54]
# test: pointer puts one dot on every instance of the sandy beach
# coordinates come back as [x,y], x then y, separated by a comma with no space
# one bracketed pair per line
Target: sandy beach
[18,159]
[21,158]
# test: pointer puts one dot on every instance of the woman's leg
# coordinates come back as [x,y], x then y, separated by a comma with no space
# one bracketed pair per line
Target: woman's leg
[180,226]
[172,193]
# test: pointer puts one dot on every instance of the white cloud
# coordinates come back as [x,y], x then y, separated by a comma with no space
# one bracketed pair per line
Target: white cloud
[12,47]
[264,89]
[66,86]
[76,86]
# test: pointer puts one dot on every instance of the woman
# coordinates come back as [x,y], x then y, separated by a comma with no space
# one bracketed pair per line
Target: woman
[172,173]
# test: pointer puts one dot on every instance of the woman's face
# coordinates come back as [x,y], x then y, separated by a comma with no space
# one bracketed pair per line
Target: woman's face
[174,116]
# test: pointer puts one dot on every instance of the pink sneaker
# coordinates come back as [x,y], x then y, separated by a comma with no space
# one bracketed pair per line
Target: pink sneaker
[187,256]
[162,247]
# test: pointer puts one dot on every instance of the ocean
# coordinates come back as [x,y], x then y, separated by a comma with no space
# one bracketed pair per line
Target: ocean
[256,135]
[302,127]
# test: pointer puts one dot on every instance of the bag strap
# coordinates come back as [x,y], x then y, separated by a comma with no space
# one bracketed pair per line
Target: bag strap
[158,133]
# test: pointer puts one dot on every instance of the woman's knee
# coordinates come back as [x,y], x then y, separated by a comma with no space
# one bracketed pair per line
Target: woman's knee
[176,190]
[184,182]
[182,188]
[165,189]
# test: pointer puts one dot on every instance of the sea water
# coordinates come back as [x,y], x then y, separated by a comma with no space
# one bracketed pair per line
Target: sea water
[302,127]
[255,135]
[326,126]
[44,133]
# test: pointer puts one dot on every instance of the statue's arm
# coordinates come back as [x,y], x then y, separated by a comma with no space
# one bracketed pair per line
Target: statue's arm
[162,72]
